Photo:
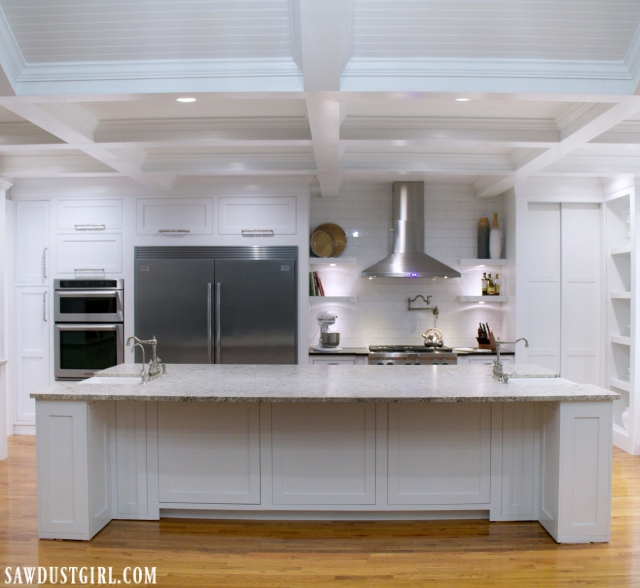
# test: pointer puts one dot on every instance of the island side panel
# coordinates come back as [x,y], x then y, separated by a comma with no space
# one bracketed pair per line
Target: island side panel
[575,476]
[74,468]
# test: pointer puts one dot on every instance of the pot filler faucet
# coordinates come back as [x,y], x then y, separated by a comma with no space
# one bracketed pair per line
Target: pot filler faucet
[498,374]
[155,363]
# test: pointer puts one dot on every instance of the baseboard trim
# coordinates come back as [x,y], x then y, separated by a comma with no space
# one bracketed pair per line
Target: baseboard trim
[24,429]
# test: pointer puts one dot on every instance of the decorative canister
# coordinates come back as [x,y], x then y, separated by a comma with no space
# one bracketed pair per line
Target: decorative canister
[495,239]
[483,238]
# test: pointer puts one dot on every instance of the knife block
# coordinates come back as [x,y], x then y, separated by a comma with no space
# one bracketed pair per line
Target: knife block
[488,343]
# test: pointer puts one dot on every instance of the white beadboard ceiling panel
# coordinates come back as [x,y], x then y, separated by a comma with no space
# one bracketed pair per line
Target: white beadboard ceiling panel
[166,106]
[448,107]
[503,29]
[121,30]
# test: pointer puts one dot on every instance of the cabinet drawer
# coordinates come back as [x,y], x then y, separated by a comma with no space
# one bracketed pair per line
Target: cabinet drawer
[337,361]
[89,215]
[99,253]
[241,216]
[175,216]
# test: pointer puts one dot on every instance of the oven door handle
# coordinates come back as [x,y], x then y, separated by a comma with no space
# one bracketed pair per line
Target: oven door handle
[89,294]
[85,327]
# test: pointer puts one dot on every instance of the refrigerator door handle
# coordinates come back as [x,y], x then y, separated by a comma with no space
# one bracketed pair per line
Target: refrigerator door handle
[209,321]
[217,344]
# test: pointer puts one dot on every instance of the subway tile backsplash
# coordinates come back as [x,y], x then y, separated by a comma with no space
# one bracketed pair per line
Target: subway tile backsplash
[380,316]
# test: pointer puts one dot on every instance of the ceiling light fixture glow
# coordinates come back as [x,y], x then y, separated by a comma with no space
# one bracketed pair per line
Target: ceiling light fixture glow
[463,99]
[186,99]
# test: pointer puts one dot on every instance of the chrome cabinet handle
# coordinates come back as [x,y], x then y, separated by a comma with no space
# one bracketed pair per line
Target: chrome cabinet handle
[209,321]
[258,232]
[90,227]
[44,263]
[175,231]
[44,306]
[218,297]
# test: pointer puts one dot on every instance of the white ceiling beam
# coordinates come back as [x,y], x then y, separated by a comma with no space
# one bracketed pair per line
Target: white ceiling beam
[324,121]
[74,124]
[572,138]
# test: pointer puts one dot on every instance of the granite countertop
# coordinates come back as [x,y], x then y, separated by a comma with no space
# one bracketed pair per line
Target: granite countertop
[305,383]
[343,351]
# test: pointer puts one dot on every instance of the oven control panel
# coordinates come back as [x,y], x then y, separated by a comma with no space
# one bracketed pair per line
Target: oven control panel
[413,359]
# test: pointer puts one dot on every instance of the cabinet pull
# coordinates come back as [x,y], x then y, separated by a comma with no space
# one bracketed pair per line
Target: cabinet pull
[44,306]
[174,231]
[83,271]
[44,263]
[90,227]
[258,233]
[218,351]
[209,321]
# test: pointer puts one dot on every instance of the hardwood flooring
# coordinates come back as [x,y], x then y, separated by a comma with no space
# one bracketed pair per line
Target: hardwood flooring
[448,554]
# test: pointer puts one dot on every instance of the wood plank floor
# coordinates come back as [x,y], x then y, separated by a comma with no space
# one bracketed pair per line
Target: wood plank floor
[465,554]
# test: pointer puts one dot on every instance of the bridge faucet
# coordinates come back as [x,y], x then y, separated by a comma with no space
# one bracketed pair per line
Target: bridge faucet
[498,374]
[143,375]
[155,362]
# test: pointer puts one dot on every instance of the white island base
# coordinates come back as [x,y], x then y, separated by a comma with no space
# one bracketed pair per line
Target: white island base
[505,461]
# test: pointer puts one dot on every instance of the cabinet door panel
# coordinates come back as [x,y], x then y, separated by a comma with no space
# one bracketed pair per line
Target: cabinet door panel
[209,452]
[89,252]
[439,453]
[242,214]
[88,215]
[341,361]
[33,366]
[32,242]
[175,216]
[323,453]
[131,457]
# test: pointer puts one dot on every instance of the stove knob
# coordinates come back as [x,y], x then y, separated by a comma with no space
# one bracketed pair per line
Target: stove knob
[389,363]
[434,362]
[407,363]
[381,363]
[417,363]
[445,362]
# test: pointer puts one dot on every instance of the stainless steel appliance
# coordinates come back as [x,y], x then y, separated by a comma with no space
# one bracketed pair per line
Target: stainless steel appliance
[89,330]
[83,301]
[234,305]
[411,355]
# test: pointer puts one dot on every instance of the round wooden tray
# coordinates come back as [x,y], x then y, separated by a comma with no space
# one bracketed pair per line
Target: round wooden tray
[322,244]
[338,236]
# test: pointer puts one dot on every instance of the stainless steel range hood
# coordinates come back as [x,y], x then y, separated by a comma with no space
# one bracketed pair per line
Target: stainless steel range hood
[408,259]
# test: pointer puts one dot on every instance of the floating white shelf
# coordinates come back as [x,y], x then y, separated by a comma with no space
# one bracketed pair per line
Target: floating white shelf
[621,295]
[621,250]
[483,298]
[620,340]
[620,384]
[482,262]
[333,299]
[333,261]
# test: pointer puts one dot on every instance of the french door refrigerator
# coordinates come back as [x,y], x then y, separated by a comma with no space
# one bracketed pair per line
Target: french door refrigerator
[234,305]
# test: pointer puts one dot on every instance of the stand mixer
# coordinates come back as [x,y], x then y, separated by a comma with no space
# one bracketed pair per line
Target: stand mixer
[328,341]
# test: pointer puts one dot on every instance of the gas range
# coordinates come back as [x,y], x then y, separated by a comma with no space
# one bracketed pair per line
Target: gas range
[411,355]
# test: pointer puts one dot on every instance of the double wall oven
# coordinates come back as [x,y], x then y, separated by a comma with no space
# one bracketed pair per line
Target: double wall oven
[89,327]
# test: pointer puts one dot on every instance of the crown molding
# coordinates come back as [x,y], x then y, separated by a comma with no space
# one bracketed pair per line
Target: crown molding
[632,58]
[466,163]
[237,163]
[11,57]
[446,123]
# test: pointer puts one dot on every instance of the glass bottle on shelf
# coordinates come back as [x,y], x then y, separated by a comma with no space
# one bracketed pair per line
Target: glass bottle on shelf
[496,285]
[490,286]
[484,284]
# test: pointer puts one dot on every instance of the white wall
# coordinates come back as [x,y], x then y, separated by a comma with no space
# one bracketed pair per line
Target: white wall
[380,316]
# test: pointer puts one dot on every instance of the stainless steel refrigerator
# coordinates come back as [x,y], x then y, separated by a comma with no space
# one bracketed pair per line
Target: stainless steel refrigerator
[218,304]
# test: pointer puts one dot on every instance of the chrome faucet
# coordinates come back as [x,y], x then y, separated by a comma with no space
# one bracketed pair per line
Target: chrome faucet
[143,375]
[498,374]
[156,367]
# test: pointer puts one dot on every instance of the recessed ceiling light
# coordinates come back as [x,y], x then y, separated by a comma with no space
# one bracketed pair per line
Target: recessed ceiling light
[186,99]
[463,99]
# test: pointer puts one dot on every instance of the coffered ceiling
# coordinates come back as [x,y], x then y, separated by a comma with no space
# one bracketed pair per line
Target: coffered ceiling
[337,90]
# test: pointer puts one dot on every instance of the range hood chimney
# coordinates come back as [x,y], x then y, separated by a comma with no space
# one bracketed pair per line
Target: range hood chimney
[408,259]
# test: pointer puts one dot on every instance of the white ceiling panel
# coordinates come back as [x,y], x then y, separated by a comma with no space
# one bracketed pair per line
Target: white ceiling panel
[503,29]
[122,30]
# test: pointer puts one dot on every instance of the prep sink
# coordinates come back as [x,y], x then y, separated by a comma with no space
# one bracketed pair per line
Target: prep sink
[540,381]
[114,381]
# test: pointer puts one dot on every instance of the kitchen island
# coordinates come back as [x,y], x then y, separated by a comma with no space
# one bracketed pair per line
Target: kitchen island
[325,442]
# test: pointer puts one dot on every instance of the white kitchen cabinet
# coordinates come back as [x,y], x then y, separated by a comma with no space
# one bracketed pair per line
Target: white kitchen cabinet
[89,215]
[33,356]
[439,453]
[32,242]
[338,360]
[174,216]
[484,360]
[323,453]
[257,216]
[89,253]
[209,453]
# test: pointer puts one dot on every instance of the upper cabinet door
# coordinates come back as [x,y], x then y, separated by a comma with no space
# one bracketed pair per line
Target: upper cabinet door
[32,242]
[89,254]
[255,216]
[175,216]
[89,215]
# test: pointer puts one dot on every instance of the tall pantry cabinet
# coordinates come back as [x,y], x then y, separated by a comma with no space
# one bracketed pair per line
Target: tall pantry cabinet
[33,304]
